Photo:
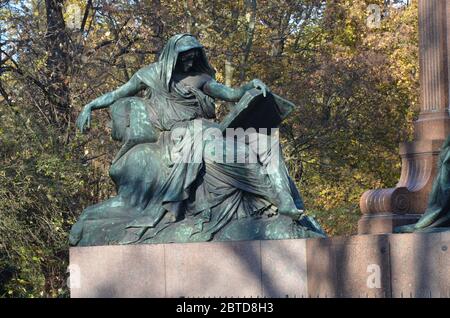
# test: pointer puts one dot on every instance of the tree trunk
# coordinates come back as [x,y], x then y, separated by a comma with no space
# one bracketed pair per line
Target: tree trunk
[249,39]
[155,23]
[58,61]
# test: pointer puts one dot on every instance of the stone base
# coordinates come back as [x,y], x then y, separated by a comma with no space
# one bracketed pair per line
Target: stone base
[384,223]
[397,265]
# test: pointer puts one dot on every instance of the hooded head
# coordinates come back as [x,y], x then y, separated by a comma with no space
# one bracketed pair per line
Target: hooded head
[194,54]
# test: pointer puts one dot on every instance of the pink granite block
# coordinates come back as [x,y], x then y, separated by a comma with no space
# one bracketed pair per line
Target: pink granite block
[322,271]
[415,265]
[284,268]
[362,266]
[117,271]
[444,264]
[214,269]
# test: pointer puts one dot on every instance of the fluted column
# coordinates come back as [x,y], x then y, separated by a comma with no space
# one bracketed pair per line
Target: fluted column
[383,209]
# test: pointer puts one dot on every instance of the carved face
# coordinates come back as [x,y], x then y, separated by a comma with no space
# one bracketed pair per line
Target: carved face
[186,59]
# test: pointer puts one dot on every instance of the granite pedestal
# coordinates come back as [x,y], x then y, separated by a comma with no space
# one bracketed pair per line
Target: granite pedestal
[394,265]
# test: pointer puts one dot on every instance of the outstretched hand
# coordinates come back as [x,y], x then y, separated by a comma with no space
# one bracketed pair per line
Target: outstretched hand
[84,119]
[258,84]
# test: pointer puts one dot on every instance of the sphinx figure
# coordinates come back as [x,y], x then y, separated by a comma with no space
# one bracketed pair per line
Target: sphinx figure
[437,215]
[176,185]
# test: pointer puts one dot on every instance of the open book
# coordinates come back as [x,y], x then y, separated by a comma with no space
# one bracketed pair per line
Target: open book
[256,111]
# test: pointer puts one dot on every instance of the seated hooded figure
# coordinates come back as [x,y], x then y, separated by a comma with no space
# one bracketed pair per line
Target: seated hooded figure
[168,190]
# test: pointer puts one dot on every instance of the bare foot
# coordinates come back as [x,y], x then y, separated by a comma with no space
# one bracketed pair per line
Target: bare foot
[290,210]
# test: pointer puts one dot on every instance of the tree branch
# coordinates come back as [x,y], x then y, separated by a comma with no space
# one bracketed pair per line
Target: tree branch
[85,16]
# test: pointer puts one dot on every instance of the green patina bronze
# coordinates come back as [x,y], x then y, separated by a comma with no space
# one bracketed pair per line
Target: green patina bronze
[168,188]
[437,215]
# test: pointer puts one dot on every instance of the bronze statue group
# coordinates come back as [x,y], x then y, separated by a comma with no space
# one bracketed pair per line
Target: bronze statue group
[169,191]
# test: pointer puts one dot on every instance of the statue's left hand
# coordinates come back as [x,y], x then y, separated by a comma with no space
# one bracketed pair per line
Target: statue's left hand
[258,84]
[84,119]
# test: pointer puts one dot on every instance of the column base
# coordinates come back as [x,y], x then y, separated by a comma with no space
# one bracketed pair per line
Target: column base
[384,209]
[385,222]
